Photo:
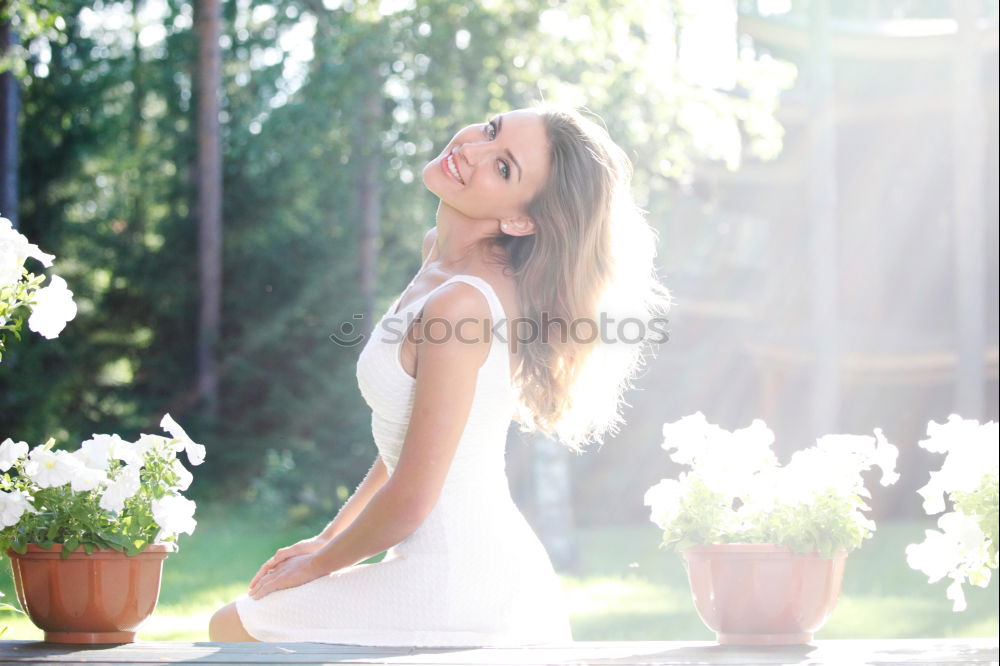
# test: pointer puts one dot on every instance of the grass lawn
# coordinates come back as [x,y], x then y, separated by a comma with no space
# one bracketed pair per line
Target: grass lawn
[628,588]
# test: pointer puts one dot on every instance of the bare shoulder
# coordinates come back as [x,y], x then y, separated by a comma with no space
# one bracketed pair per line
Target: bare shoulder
[456,301]
[450,326]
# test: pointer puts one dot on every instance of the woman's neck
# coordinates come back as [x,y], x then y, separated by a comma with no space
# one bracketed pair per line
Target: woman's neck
[458,238]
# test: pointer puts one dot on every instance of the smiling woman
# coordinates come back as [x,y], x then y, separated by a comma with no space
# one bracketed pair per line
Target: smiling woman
[535,224]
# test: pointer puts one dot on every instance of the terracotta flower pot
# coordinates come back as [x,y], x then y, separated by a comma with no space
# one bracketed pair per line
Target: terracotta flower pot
[97,598]
[753,594]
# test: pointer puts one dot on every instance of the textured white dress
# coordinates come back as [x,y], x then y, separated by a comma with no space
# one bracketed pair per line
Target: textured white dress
[474,573]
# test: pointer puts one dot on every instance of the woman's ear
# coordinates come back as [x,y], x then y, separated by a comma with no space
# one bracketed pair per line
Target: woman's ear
[517,226]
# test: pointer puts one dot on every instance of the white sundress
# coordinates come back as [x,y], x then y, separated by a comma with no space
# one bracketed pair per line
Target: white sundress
[474,573]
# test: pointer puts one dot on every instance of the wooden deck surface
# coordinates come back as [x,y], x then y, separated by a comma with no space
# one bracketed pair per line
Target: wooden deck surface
[830,652]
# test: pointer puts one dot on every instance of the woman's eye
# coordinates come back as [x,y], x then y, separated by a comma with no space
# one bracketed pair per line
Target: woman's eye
[504,170]
[491,130]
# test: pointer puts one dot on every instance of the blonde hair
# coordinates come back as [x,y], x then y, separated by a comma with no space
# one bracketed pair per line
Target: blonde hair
[592,252]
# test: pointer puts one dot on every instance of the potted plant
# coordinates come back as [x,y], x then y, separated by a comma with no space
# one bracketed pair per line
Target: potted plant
[965,548]
[764,544]
[87,531]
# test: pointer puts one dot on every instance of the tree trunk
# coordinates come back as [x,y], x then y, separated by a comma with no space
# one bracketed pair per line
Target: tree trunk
[369,192]
[968,141]
[209,207]
[554,501]
[138,185]
[822,203]
[10,94]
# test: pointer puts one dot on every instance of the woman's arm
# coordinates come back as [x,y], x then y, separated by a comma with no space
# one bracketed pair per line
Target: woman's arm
[373,481]
[445,385]
[370,485]
[377,475]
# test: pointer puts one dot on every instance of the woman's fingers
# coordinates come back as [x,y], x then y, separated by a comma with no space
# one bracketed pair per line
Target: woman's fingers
[263,570]
[289,573]
[270,582]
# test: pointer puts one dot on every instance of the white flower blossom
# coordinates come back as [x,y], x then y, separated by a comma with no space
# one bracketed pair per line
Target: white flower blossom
[935,555]
[53,308]
[121,489]
[972,453]
[50,469]
[153,443]
[195,452]
[87,478]
[665,501]
[100,450]
[174,514]
[726,461]
[885,457]
[740,469]
[14,250]
[96,452]
[11,452]
[184,477]
[12,507]
[956,594]
[960,551]
[689,437]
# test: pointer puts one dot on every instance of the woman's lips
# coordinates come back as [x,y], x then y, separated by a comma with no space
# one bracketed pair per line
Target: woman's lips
[450,157]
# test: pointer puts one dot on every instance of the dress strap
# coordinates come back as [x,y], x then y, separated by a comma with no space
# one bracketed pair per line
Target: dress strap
[497,312]
[496,307]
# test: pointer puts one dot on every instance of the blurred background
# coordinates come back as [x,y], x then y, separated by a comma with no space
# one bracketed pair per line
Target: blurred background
[226,182]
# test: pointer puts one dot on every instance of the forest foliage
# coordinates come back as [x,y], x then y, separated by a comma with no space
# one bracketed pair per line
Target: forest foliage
[107,182]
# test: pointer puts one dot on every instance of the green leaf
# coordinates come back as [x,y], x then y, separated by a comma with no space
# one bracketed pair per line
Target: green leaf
[114,539]
[71,544]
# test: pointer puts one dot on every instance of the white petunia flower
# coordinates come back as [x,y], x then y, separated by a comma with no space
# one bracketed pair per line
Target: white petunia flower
[725,461]
[14,250]
[121,489]
[53,308]
[664,500]
[184,477]
[11,452]
[50,469]
[957,595]
[96,452]
[689,436]
[195,452]
[174,514]
[955,433]
[87,478]
[885,457]
[152,443]
[935,556]
[12,507]
[971,451]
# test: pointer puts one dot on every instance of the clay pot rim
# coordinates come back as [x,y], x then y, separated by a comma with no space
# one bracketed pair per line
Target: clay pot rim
[151,549]
[762,549]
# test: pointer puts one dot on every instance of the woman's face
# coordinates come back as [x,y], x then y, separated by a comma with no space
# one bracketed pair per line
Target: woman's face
[492,170]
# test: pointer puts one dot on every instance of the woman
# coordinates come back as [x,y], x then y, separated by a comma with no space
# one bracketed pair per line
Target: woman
[535,225]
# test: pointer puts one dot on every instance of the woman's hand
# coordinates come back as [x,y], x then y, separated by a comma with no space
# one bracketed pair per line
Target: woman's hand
[304,547]
[292,572]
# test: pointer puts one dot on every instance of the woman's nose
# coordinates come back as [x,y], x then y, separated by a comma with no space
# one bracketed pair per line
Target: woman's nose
[472,151]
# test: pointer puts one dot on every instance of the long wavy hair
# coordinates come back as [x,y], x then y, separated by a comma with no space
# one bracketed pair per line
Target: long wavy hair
[592,252]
